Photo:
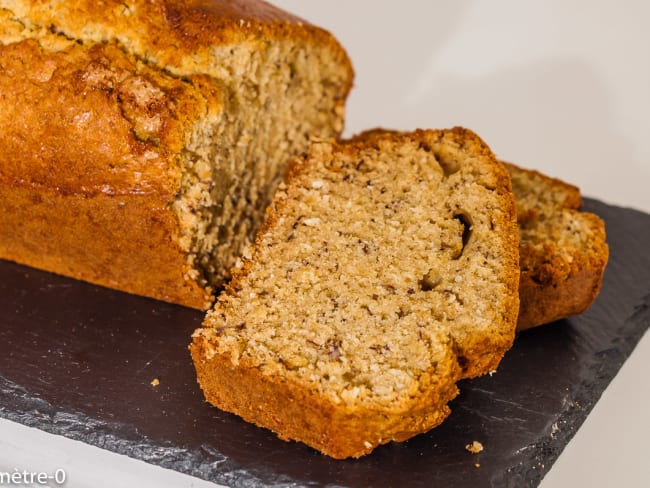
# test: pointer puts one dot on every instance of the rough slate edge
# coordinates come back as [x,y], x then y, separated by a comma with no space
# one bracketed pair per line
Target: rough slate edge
[122,439]
[604,363]
[527,464]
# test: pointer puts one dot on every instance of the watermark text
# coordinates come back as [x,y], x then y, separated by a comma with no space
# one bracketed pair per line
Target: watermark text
[25,477]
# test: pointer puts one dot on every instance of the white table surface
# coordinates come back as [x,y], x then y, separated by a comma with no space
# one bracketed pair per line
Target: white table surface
[562,86]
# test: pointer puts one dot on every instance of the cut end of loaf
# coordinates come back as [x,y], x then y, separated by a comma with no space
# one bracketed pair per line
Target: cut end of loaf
[387,270]
[232,168]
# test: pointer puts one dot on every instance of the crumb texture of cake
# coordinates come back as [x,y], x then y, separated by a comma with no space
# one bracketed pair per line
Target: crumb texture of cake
[386,271]
[563,252]
[142,141]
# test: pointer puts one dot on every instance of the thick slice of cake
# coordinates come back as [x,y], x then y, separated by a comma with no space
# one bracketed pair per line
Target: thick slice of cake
[562,251]
[386,271]
[141,141]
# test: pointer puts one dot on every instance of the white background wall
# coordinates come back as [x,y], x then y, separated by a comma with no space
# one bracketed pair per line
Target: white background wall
[558,85]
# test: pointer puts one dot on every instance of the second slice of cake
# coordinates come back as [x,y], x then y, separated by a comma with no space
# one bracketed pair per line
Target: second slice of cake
[387,270]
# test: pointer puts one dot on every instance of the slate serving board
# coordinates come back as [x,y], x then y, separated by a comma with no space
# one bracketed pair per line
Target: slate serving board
[78,361]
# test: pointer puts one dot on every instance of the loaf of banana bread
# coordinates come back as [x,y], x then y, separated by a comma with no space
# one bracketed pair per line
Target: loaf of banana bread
[141,141]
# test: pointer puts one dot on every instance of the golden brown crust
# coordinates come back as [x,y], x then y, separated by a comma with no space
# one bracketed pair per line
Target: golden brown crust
[177,34]
[79,108]
[553,287]
[93,201]
[274,402]
[114,242]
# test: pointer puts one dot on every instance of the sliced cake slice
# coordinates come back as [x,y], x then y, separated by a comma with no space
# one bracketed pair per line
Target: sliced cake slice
[386,271]
[563,252]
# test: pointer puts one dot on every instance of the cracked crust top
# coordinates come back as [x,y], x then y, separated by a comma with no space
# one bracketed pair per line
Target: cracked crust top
[112,123]
[182,36]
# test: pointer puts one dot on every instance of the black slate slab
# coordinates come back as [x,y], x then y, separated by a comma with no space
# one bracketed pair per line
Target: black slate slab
[78,361]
